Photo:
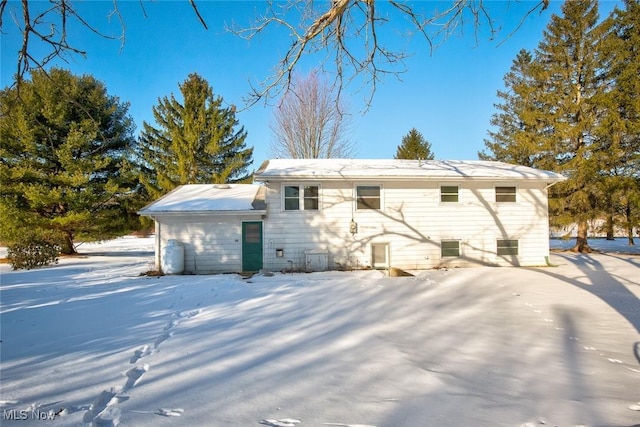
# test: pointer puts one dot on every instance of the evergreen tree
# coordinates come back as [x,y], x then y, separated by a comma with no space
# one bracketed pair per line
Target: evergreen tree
[555,114]
[572,55]
[195,141]
[619,129]
[414,147]
[518,125]
[63,160]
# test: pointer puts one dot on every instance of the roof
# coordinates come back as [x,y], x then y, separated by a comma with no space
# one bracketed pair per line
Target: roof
[207,198]
[394,169]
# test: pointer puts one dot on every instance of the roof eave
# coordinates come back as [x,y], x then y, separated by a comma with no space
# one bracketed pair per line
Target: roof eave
[279,178]
[202,213]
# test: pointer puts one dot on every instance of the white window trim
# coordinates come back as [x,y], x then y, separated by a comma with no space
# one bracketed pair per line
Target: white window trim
[495,193]
[367,184]
[387,255]
[449,184]
[460,246]
[517,239]
[300,196]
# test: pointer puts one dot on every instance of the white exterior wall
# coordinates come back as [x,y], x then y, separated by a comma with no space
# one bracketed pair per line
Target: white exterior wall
[412,222]
[212,243]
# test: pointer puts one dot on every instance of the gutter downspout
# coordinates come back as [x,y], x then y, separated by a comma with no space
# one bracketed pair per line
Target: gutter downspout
[548,186]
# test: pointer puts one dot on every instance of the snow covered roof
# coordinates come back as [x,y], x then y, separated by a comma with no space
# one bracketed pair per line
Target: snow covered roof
[392,169]
[205,198]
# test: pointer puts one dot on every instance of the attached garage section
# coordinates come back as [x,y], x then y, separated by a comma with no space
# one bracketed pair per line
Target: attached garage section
[217,225]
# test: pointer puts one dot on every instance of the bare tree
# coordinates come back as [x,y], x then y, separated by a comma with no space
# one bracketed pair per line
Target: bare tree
[309,123]
[45,24]
[349,34]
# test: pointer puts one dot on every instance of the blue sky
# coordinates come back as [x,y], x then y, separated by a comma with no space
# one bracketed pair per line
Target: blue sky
[448,94]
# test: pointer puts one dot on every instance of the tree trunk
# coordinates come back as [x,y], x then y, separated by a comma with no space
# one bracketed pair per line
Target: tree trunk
[610,235]
[68,247]
[629,226]
[582,244]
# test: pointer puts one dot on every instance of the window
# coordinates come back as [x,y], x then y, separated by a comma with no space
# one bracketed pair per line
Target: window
[449,248]
[368,197]
[507,247]
[449,193]
[505,194]
[306,196]
[311,198]
[291,198]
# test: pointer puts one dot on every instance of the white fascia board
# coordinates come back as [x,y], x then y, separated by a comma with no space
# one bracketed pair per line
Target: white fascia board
[153,214]
[379,178]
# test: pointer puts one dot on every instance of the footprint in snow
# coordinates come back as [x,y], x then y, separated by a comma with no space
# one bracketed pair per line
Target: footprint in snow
[171,325]
[104,400]
[134,375]
[188,314]
[635,407]
[284,422]
[162,338]
[110,417]
[170,412]
[140,353]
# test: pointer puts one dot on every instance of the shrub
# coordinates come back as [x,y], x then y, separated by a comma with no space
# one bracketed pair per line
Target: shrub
[33,250]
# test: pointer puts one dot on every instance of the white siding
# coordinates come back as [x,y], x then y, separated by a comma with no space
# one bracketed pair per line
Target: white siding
[413,222]
[212,243]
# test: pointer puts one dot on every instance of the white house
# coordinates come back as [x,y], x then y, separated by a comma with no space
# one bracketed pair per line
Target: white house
[211,222]
[317,214]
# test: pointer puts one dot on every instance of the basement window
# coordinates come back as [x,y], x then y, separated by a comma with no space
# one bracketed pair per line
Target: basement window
[507,247]
[450,248]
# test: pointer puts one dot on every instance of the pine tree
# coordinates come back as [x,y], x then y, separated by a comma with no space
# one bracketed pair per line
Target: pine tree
[518,125]
[555,114]
[63,160]
[619,129]
[571,56]
[414,147]
[195,141]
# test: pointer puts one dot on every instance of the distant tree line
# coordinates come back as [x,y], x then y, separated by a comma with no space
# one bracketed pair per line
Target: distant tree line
[572,106]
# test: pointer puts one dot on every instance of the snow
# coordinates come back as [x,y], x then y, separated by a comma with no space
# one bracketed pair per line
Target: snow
[205,198]
[401,169]
[91,342]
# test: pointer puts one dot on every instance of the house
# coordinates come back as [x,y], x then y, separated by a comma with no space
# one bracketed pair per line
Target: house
[210,221]
[319,214]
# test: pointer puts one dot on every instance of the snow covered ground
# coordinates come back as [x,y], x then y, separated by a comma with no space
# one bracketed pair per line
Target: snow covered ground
[89,341]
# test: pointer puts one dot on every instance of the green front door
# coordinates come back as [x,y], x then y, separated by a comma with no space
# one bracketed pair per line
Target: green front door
[251,246]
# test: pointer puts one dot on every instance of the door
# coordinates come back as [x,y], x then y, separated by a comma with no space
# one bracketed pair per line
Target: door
[380,255]
[251,246]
